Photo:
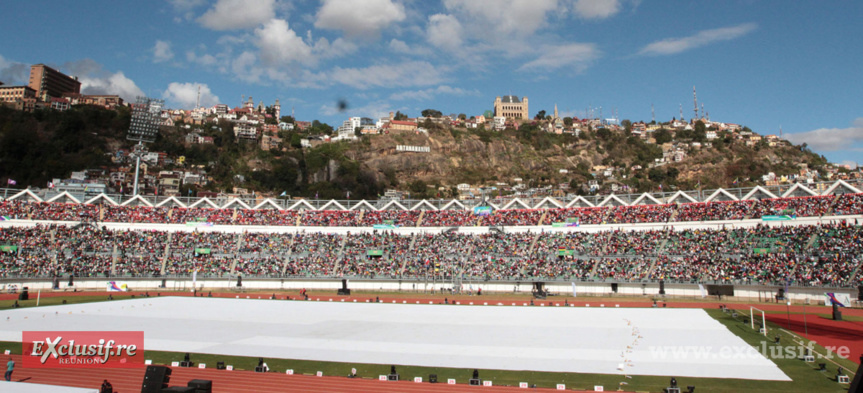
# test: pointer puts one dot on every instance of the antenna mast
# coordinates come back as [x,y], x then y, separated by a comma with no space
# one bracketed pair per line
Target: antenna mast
[652,114]
[695,101]
[198,101]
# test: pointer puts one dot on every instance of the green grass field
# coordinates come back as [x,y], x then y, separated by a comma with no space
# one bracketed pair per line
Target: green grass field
[805,376]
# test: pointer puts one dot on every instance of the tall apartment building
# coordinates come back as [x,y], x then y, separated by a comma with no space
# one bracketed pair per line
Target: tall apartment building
[49,82]
[511,107]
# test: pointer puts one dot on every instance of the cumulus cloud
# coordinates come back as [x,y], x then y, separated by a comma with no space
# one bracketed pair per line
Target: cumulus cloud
[576,56]
[96,80]
[116,83]
[204,59]
[280,45]
[162,52]
[492,18]
[13,72]
[238,14]
[185,8]
[359,18]
[183,5]
[402,47]
[670,46]
[411,73]
[596,9]
[444,31]
[185,95]
[428,94]
[831,139]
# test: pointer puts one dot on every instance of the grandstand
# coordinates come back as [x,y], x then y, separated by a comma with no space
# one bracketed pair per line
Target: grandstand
[803,241]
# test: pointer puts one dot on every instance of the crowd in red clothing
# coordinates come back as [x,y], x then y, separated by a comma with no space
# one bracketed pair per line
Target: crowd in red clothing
[812,206]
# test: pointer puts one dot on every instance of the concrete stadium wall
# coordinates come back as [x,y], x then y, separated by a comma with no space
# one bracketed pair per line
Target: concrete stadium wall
[730,224]
[808,295]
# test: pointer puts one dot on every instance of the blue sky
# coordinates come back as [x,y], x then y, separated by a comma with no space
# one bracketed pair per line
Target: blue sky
[764,64]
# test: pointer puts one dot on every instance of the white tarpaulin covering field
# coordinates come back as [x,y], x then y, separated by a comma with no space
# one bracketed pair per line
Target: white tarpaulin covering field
[633,341]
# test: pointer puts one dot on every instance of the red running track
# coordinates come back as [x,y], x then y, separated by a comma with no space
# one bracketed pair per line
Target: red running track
[825,331]
[130,380]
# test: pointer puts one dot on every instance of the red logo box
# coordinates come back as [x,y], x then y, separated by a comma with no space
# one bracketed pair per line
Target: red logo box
[83,349]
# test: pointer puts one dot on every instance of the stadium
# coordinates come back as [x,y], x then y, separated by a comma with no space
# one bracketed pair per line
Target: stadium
[614,292]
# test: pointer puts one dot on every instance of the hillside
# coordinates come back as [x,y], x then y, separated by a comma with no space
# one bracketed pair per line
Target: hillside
[37,147]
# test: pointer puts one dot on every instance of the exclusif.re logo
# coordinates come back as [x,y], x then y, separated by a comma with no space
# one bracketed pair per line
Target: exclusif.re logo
[83,349]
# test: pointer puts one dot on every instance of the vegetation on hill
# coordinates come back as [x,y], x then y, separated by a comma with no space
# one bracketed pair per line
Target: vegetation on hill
[37,147]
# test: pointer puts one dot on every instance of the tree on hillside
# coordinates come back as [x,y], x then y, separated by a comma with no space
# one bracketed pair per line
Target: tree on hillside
[540,115]
[432,113]
[567,121]
[400,116]
[662,136]
[700,131]
[287,119]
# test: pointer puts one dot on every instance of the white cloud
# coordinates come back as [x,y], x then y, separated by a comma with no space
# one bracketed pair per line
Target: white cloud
[831,139]
[444,31]
[185,95]
[13,72]
[182,5]
[116,83]
[323,49]
[428,94]
[359,18]
[402,47]
[238,14]
[205,59]
[96,80]
[162,52]
[412,73]
[596,9]
[670,46]
[281,46]
[496,19]
[245,68]
[185,8]
[576,56]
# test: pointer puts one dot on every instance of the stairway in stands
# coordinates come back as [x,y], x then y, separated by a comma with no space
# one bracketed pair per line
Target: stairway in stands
[542,219]
[337,265]
[832,207]
[290,252]
[659,251]
[420,219]
[239,247]
[167,253]
[856,271]
[410,249]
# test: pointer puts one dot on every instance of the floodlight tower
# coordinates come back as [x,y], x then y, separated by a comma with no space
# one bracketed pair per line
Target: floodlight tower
[143,128]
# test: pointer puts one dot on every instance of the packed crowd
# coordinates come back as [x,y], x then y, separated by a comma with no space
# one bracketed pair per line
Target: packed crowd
[847,204]
[816,255]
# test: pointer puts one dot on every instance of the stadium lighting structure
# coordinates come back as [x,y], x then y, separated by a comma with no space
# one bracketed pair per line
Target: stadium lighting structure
[143,128]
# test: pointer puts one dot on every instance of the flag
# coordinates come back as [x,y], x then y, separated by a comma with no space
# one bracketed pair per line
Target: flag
[284,193]
[735,181]
[316,195]
[660,186]
[50,184]
[11,182]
